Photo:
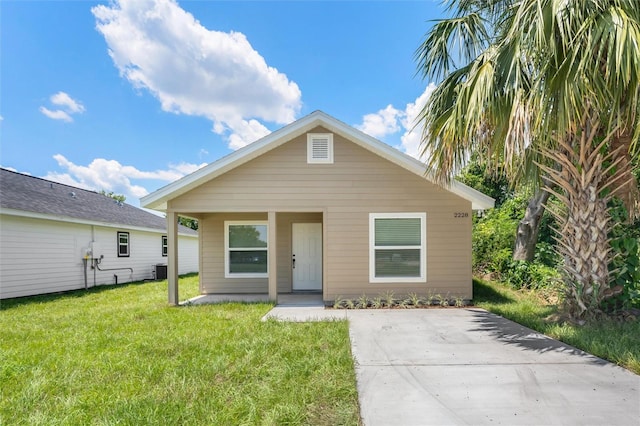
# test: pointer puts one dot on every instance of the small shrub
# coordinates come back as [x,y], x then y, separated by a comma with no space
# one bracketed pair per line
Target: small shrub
[388,298]
[350,304]
[338,303]
[414,300]
[377,302]
[444,301]
[437,299]
[362,302]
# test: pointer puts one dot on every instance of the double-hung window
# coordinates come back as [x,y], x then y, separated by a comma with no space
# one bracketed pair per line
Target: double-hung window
[397,247]
[246,249]
[165,246]
[123,244]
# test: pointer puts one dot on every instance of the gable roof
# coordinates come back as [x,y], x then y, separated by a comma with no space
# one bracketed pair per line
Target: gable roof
[158,200]
[25,195]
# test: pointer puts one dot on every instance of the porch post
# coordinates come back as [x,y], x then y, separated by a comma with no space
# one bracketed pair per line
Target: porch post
[172,257]
[272,257]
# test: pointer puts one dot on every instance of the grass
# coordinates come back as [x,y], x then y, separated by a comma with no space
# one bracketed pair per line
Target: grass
[120,355]
[618,342]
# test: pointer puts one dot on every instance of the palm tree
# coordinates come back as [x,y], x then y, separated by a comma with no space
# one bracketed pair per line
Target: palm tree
[543,87]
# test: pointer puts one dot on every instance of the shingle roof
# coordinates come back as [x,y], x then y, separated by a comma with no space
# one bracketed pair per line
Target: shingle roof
[32,194]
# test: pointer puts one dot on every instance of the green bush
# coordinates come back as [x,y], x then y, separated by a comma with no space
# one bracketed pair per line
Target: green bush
[626,270]
[495,233]
[546,254]
[530,275]
[625,263]
[501,261]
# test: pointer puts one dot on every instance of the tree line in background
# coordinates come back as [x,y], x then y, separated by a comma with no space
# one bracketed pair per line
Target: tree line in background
[546,93]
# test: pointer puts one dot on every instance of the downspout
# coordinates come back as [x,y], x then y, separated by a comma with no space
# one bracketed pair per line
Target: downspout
[84,262]
[93,240]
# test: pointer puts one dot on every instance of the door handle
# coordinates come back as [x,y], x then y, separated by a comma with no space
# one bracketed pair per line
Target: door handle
[293,261]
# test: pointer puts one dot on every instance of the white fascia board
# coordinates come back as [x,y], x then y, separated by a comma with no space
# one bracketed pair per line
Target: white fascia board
[67,219]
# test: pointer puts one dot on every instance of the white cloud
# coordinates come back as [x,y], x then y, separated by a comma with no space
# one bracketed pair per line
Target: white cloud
[410,140]
[381,123]
[64,100]
[390,120]
[192,70]
[246,131]
[57,114]
[110,175]
[69,106]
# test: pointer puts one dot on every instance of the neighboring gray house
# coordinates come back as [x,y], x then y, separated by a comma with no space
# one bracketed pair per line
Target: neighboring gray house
[55,237]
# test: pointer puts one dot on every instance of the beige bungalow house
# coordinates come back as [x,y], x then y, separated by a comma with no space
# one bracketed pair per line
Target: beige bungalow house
[320,206]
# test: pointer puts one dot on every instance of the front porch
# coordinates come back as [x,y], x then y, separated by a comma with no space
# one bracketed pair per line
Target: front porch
[273,256]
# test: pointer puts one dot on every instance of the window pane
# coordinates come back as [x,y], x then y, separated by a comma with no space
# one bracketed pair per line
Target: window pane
[246,236]
[123,249]
[398,263]
[245,262]
[398,232]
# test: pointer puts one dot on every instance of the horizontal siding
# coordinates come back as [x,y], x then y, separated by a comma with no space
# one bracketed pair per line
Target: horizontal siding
[358,183]
[212,279]
[41,256]
[212,273]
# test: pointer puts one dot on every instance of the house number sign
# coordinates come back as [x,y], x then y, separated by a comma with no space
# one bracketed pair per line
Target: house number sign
[460,214]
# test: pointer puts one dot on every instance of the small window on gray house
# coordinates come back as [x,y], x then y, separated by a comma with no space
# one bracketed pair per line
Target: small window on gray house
[123,244]
[165,245]
[320,148]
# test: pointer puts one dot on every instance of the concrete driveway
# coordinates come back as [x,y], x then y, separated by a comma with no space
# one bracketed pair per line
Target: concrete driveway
[471,367]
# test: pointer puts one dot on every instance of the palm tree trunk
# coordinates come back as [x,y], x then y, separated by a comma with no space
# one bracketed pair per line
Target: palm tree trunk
[584,224]
[529,227]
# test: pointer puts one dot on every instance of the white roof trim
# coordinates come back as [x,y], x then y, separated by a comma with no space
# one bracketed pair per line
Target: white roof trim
[158,200]
[67,219]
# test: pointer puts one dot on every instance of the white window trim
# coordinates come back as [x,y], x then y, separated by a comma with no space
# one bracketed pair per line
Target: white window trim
[127,244]
[423,248]
[165,246]
[310,138]
[227,273]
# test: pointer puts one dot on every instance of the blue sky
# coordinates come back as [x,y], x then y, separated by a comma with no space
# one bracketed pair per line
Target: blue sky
[129,95]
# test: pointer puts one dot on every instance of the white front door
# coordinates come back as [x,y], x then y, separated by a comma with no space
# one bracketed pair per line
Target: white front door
[307,256]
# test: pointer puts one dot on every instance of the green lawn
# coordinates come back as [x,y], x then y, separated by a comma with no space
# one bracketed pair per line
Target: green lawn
[618,342]
[120,355]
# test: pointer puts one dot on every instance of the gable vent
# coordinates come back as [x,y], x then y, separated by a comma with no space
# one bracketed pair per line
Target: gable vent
[320,148]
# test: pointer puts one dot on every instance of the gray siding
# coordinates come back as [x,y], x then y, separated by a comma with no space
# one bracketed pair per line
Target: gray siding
[39,256]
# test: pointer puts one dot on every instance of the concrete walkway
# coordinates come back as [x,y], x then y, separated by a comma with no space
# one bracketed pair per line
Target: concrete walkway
[471,367]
